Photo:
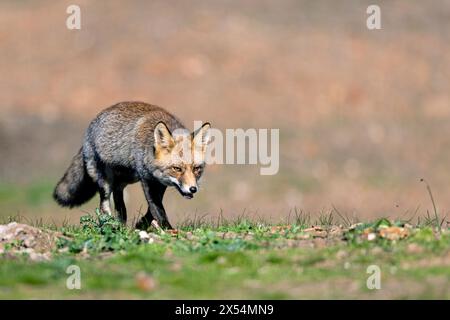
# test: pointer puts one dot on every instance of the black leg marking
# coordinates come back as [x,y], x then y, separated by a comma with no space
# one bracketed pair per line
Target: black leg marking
[154,193]
[120,204]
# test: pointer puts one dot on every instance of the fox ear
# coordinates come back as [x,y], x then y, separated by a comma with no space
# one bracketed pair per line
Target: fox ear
[202,136]
[163,137]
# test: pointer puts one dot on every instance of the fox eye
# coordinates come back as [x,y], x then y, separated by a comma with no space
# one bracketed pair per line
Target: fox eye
[197,168]
[177,169]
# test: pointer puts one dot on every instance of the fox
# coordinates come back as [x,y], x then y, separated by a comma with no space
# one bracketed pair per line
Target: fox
[132,142]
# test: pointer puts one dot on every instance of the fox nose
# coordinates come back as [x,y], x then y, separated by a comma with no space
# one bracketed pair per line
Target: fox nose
[193,189]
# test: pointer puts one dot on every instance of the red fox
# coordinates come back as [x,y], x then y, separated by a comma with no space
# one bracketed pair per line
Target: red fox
[130,142]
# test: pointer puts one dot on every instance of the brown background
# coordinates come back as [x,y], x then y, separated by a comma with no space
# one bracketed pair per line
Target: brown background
[363,115]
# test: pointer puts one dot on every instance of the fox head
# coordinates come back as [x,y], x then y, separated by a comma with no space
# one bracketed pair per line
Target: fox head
[180,157]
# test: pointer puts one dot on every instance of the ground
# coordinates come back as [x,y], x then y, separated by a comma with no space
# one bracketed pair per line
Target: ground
[220,259]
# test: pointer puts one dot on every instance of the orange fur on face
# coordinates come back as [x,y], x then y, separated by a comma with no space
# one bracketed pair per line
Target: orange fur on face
[181,157]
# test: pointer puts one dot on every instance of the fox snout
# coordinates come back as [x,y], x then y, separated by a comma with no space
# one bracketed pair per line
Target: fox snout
[188,191]
[186,183]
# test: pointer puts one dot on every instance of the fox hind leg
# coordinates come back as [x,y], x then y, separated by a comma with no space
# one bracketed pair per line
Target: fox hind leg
[105,194]
[104,187]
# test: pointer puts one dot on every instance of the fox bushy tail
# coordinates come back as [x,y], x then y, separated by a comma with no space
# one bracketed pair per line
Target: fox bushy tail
[76,186]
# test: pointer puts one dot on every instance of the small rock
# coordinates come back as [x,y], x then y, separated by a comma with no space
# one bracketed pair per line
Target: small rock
[313,229]
[303,236]
[148,237]
[143,235]
[335,231]
[26,239]
[145,282]
[39,256]
[394,233]
[316,232]
[29,242]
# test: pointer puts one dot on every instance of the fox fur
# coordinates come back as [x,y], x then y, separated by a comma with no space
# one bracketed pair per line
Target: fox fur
[134,142]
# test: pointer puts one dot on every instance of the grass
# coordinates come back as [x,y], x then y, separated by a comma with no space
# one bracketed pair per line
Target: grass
[435,220]
[33,195]
[237,259]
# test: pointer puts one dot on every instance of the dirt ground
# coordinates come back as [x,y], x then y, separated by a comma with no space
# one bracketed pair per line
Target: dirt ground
[245,259]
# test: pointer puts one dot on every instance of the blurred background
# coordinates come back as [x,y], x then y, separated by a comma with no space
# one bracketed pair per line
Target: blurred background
[363,115]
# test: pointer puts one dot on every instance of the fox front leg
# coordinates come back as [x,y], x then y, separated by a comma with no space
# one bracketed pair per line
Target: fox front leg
[119,203]
[154,192]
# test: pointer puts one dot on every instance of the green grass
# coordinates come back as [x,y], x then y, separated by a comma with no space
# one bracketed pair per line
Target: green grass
[235,259]
[34,194]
